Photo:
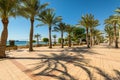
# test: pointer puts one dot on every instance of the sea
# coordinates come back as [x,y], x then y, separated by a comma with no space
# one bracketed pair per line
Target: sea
[24,43]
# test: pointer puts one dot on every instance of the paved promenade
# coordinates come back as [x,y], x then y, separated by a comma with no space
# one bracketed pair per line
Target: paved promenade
[76,63]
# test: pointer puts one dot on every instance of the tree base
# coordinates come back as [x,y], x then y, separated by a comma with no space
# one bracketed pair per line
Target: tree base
[50,47]
[2,55]
[30,50]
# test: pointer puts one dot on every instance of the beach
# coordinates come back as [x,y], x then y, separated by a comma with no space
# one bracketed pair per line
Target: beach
[24,43]
[76,63]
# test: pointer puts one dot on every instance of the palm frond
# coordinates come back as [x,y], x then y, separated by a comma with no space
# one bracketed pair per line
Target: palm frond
[39,25]
[48,17]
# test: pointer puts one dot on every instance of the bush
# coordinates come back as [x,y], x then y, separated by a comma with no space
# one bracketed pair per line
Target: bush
[45,40]
[59,40]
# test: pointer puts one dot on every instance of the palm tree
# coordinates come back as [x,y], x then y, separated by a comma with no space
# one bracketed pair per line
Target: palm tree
[61,27]
[84,22]
[113,20]
[109,30]
[54,36]
[92,23]
[88,21]
[99,37]
[30,9]
[69,30]
[8,9]
[37,36]
[48,18]
[95,33]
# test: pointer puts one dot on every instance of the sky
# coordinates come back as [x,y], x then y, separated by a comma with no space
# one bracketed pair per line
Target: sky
[71,12]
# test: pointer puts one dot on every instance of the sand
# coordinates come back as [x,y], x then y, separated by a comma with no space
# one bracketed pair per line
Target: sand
[76,63]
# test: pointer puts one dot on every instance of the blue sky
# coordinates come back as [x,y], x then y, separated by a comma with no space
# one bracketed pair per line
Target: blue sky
[70,10]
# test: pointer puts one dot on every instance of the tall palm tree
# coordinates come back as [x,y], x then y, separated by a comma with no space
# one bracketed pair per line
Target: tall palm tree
[113,20]
[92,24]
[95,33]
[37,36]
[8,9]
[30,9]
[88,21]
[48,18]
[69,30]
[61,27]
[109,30]
[84,22]
[99,37]
[118,11]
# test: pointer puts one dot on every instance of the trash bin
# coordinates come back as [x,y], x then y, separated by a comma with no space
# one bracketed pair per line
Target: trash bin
[11,42]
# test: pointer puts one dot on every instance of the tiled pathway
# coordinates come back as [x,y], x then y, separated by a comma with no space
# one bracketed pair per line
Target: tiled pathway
[77,63]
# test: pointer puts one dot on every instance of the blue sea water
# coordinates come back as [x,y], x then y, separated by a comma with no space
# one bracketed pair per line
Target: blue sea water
[24,43]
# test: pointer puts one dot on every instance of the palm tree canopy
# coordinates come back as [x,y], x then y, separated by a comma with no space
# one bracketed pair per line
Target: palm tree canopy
[112,19]
[31,8]
[69,29]
[96,32]
[117,10]
[109,30]
[8,8]
[37,35]
[48,17]
[60,27]
[88,21]
[84,22]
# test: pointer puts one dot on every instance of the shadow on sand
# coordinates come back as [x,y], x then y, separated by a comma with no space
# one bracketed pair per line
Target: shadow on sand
[107,76]
[57,66]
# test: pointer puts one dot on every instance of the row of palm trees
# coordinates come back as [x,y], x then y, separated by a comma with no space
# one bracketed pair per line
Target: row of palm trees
[89,22]
[112,26]
[12,8]
[33,10]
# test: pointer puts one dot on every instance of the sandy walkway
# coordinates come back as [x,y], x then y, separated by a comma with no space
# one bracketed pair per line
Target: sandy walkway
[77,63]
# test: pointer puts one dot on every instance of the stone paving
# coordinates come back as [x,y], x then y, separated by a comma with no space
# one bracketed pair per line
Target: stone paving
[76,63]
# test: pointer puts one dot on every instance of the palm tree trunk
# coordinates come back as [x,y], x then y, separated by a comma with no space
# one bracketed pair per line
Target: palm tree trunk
[37,41]
[54,41]
[91,37]
[115,36]
[109,41]
[69,39]
[31,35]
[50,41]
[62,39]
[94,40]
[87,38]
[4,37]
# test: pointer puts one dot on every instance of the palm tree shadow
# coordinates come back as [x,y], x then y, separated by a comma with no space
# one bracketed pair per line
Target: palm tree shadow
[83,50]
[106,76]
[55,65]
